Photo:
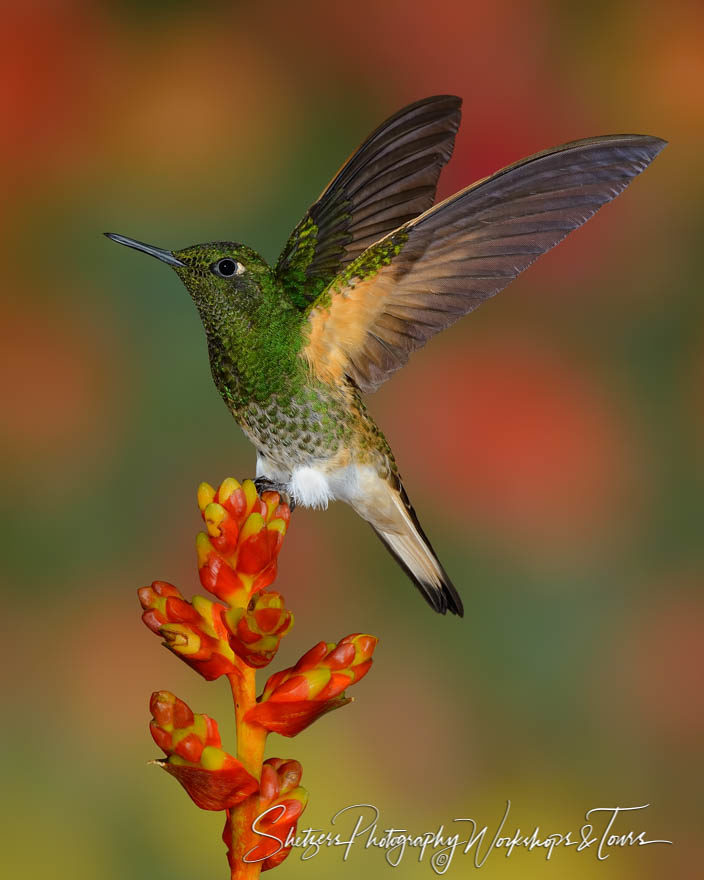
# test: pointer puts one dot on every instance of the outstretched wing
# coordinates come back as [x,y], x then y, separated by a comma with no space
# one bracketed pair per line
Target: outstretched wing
[428,273]
[390,179]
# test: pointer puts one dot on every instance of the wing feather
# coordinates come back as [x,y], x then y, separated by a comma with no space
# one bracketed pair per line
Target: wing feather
[441,265]
[390,179]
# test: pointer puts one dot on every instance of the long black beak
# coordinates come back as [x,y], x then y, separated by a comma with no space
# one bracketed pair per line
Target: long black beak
[159,253]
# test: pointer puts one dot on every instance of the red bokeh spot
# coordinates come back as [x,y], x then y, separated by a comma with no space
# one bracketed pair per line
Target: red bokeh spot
[48,57]
[57,387]
[524,434]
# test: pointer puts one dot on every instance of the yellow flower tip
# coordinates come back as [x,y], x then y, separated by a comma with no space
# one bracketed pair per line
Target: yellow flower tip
[277,525]
[203,548]
[212,758]
[247,581]
[298,794]
[150,601]
[203,606]
[265,643]
[250,493]
[252,525]
[199,726]
[272,501]
[206,493]
[173,639]
[214,514]
[317,679]
[179,734]
[227,487]
[233,617]
[180,639]
[178,761]
[364,646]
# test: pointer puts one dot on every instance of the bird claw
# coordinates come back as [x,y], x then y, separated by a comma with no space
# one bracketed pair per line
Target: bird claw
[264,484]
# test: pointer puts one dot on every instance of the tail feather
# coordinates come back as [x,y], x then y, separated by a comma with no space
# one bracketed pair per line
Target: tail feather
[409,545]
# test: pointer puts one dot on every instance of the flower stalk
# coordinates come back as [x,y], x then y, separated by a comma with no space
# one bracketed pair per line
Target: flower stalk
[233,636]
[251,742]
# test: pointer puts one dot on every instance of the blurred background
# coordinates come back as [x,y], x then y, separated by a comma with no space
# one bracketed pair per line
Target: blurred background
[551,443]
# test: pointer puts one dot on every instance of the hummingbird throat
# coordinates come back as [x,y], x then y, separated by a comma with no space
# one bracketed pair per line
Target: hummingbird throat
[254,338]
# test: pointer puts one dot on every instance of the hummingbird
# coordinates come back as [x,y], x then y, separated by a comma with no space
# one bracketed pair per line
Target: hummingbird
[372,271]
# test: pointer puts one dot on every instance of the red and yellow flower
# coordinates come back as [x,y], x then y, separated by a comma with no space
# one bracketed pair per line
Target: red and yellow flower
[280,802]
[294,698]
[237,560]
[195,631]
[237,555]
[256,631]
[194,754]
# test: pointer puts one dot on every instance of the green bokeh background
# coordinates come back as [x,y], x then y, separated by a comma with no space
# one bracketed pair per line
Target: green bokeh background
[552,444]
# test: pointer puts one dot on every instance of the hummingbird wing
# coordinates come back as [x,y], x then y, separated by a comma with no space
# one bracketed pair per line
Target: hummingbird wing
[425,275]
[390,179]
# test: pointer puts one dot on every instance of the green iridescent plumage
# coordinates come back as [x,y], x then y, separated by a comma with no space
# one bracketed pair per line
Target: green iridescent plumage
[293,267]
[255,334]
[252,327]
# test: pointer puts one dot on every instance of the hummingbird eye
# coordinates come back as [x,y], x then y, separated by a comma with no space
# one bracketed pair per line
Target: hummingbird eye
[227,267]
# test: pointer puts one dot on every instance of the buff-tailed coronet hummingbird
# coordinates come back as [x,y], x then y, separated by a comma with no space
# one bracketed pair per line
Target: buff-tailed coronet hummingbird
[372,271]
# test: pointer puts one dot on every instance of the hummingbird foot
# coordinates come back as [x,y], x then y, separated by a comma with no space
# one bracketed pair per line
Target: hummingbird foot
[264,484]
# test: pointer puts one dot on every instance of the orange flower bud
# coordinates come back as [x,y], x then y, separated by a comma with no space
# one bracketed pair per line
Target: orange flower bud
[255,632]
[294,698]
[195,631]
[280,804]
[237,555]
[213,779]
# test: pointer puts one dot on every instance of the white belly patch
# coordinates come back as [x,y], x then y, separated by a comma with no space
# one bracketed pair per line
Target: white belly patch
[310,487]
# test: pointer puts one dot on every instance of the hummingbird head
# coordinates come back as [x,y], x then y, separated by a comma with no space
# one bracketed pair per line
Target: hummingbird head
[227,281]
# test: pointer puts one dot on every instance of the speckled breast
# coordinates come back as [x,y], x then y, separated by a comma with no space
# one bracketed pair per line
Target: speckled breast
[298,429]
[314,425]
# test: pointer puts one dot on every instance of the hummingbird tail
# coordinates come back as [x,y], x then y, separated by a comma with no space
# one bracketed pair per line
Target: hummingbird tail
[410,547]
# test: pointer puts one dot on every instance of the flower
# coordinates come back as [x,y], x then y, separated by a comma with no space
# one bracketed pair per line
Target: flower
[195,631]
[281,801]
[237,560]
[256,631]
[293,698]
[191,742]
[237,555]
